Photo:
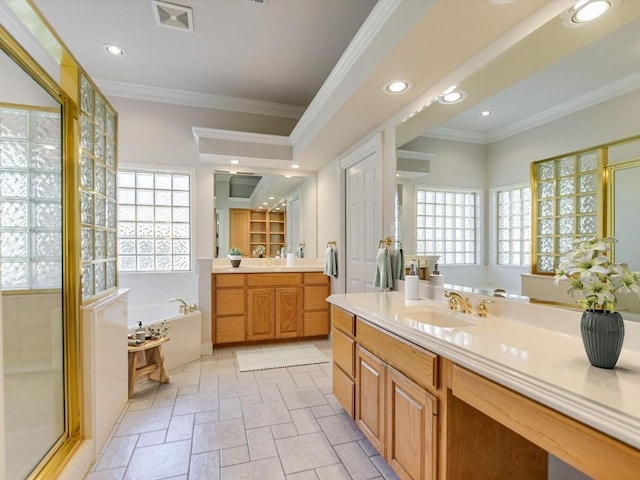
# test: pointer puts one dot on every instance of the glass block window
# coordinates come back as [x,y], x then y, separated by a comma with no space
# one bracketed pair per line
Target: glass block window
[30,199]
[566,206]
[446,225]
[154,221]
[97,192]
[514,226]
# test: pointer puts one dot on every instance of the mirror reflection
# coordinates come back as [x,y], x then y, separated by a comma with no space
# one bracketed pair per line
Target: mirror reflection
[584,92]
[264,210]
[31,269]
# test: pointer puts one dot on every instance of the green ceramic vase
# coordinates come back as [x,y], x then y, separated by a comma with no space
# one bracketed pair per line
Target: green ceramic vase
[602,335]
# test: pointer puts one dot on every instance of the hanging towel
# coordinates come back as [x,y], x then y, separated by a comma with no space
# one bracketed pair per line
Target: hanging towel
[330,262]
[384,277]
[397,264]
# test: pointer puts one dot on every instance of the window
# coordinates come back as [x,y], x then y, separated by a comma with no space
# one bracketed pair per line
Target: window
[514,226]
[566,206]
[153,221]
[446,225]
[30,199]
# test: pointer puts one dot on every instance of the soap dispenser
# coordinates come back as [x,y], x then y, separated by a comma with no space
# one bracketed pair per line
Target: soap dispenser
[437,280]
[140,332]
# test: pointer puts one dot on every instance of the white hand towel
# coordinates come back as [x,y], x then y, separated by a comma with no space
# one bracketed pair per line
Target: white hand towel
[330,262]
[384,276]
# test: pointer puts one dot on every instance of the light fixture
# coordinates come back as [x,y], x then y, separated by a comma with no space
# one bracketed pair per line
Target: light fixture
[288,176]
[114,50]
[234,162]
[272,198]
[588,10]
[233,172]
[277,208]
[295,165]
[485,113]
[454,96]
[265,203]
[396,86]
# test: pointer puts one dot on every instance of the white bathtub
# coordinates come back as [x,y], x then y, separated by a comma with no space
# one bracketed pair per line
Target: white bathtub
[185,331]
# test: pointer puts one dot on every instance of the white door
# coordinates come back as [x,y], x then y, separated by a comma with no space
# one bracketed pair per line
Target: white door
[363,223]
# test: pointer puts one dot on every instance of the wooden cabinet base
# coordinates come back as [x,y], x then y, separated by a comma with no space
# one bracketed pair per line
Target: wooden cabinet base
[344,390]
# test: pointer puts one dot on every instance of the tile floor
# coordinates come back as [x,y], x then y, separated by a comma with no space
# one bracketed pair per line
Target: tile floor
[213,422]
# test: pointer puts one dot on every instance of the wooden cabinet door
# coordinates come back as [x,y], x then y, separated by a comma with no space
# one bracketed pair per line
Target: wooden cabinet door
[370,391]
[410,429]
[260,313]
[239,234]
[289,312]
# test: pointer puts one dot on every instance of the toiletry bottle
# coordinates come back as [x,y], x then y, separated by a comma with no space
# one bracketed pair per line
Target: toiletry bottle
[140,333]
[411,282]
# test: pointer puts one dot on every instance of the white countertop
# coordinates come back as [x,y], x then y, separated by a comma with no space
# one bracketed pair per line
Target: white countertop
[547,365]
[265,269]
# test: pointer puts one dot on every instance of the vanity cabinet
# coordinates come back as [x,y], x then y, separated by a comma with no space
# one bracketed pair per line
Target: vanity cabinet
[390,388]
[255,307]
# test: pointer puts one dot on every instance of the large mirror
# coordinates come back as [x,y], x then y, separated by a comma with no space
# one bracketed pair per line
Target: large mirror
[31,247]
[557,91]
[264,209]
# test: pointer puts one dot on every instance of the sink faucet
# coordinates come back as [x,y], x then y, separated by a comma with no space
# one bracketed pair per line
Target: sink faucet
[481,309]
[184,306]
[458,302]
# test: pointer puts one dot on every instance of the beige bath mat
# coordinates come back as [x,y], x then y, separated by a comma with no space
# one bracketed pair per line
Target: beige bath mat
[279,357]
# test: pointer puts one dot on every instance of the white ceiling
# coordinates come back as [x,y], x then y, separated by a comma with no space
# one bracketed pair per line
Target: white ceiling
[283,54]
[280,52]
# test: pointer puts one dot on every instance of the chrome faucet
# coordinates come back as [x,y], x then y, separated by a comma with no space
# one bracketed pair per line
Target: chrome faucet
[458,302]
[184,306]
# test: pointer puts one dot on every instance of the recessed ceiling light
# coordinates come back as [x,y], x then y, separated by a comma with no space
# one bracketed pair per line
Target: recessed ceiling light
[277,208]
[272,198]
[233,172]
[455,96]
[234,162]
[265,203]
[485,113]
[295,165]
[396,86]
[114,50]
[288,176]
[585,11]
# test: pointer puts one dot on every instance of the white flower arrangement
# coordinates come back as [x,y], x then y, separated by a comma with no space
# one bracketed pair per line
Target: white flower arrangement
[598,279]
[259,250]
[159,331]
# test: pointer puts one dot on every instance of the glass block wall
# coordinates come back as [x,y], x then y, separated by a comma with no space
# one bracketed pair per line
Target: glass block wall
[30,199]
[97,192]
[514,226]
[566,206]
[446,225]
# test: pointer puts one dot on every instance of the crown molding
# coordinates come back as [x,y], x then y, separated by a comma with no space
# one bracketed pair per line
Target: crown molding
[361,41]
[413,155]
[603,94]
[201,100]
[238,136]
[457,135]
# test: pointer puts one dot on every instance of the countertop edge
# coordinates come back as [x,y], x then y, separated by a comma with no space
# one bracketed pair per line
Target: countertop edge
[605,419]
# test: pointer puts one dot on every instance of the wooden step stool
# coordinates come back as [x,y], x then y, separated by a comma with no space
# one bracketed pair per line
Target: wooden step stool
[154,369]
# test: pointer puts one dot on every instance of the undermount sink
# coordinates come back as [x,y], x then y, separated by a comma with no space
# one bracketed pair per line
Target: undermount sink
[436,318]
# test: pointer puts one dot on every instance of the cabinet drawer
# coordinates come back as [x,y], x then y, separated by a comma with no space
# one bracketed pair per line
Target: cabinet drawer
[229,279]
[344,352]
[273,279]
[314,298]
[229,301]
[343,389]
[416,363]
[343,320]
[229,330]
[316,323]
[316,278]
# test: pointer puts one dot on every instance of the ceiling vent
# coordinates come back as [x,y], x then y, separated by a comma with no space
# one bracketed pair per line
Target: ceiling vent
[173,16]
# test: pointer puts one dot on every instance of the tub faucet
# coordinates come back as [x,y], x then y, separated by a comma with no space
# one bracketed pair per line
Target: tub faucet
[184,306]
[458,302]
